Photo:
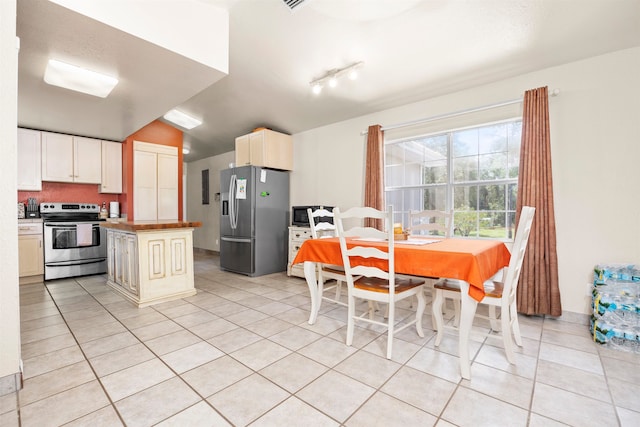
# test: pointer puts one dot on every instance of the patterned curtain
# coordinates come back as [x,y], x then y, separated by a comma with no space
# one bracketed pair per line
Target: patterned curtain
[374,178]
[538,291]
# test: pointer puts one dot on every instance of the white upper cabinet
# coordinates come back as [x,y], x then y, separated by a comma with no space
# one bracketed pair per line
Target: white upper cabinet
[57,157]
[87,164]
[29,175]
[111,167]
[67,158]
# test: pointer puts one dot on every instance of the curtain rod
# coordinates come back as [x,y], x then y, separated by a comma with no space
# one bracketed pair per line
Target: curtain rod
[553,92]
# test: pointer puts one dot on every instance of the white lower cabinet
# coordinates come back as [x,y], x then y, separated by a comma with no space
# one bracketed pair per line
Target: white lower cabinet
[148,267]
[297,236]
[122,261]
[30,252]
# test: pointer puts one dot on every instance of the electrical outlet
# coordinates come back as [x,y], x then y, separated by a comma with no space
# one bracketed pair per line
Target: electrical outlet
[217,242]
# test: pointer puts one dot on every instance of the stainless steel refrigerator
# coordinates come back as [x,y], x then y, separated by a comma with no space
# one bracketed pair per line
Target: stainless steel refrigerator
[254,220]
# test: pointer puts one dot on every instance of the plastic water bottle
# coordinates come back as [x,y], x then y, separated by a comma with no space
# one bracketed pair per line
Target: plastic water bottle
[617,341]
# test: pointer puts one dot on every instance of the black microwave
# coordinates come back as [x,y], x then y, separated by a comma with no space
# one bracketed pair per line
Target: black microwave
[300,217]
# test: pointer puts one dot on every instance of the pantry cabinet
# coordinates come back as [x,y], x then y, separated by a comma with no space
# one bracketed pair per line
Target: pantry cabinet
[67,158]
[29,172]
[265,148]
[111,181]
[155,182]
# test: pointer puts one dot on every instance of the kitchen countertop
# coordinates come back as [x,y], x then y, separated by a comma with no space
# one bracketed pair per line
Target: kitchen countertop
[134,226]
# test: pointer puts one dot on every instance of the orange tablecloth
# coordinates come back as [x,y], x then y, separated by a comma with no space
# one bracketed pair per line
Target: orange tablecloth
[471,260]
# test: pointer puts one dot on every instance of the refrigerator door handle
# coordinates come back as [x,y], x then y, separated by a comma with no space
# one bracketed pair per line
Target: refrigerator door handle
[235,239]
[233,203]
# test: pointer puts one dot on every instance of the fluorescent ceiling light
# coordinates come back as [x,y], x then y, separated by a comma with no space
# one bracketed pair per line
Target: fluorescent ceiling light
[79,79]
[182,119]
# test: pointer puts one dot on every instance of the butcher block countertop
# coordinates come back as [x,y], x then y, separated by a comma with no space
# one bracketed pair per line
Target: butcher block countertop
[134,226]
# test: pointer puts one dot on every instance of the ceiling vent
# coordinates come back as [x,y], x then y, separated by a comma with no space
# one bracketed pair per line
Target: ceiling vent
[293,4]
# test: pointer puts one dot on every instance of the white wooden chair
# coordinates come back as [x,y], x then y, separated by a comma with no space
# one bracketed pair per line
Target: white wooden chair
[430,223]
[320,228]
[375,284]
[500,291]
[433,223]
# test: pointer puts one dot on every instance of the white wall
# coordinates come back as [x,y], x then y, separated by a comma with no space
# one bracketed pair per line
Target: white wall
[207,236]
[595,139]
[9,296]
[595,144]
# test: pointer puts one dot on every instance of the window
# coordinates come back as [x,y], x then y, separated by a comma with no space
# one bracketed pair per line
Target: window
[472,171]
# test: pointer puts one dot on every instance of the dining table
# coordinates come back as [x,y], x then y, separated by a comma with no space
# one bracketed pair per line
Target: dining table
[470,261]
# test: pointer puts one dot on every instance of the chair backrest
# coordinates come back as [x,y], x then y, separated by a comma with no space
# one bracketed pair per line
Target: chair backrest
[360,267]
[431,222]
[518,250]
[320,227]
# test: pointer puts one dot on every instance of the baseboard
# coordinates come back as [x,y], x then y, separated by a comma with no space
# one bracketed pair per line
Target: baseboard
[205,251]
[11,383]
[573,317]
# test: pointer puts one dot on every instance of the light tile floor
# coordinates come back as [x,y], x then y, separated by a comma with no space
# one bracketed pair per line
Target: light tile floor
[241,352]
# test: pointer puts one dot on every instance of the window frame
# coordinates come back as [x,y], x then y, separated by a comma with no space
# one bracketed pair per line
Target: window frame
[450,185]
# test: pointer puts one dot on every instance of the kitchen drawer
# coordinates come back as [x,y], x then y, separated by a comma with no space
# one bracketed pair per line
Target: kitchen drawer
[297,236]
[299,233]
[26,228]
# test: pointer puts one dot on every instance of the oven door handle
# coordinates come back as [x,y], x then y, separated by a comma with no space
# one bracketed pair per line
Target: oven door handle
[66,225]
[77,262]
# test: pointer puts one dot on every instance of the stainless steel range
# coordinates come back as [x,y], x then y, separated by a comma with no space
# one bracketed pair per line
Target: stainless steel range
[74,242]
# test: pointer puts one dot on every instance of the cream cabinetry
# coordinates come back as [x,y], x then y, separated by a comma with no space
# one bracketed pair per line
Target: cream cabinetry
[155,182]
[265,148]
[122,265]
[297,236]
[67,158]
[151,266]
[30,251]
[111,181]
[29,151]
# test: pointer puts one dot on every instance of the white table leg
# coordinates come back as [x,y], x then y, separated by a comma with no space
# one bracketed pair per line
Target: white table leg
[310,277]
[468,312]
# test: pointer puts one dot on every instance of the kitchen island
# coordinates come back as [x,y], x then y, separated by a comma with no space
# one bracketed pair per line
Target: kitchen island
[149,262]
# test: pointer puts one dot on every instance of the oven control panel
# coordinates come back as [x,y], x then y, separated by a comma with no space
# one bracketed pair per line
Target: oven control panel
[57,207]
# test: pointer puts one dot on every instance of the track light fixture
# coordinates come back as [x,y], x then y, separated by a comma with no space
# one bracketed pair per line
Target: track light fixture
[331,77]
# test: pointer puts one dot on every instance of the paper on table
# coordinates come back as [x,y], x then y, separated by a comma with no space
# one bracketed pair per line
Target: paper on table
[84,234]
[417,241]
[369,239]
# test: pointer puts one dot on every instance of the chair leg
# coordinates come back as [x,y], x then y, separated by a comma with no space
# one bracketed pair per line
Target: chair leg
[506,335]
[351,312]
[467,314]
[493,319]
[338,289]
[436,310]
[456,315]
[372,309]
[515,325]
[390,326]
[422,303]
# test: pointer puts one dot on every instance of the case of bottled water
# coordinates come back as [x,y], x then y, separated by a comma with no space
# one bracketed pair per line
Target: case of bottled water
[615,321]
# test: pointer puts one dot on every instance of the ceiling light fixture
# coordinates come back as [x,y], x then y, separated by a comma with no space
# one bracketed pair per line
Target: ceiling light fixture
[80,79]
[331,77]
[182,119]
[185,150]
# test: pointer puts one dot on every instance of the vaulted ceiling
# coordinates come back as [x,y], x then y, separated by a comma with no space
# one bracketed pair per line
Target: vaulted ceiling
[411,50]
